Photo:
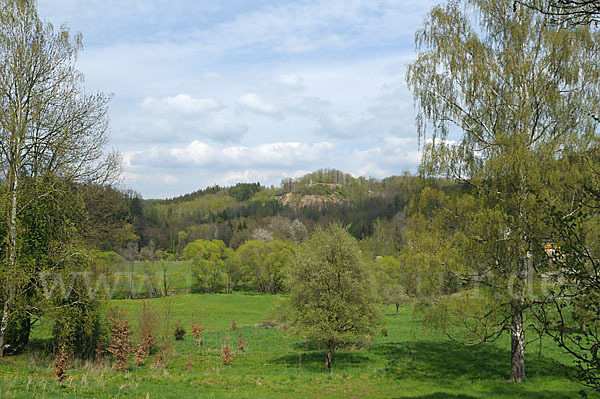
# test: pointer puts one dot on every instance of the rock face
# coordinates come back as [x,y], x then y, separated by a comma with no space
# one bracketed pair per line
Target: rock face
[302,200]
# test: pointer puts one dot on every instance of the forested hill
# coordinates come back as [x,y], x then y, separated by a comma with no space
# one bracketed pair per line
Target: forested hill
[247,210]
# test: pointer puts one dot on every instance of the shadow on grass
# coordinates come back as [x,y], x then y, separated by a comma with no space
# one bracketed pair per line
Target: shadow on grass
[314,360]
[437,395]
[43,346]
[430,360]
[449,360]
[507,393]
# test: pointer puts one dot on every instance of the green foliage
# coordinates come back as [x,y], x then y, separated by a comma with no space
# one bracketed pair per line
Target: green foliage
[262,264]
[573,223]
[391,278]
[208,259]
[52,134]
[78,322]
[244,191]
[386,237]
[518,91]
[332,299]
[108,217]
[232,214]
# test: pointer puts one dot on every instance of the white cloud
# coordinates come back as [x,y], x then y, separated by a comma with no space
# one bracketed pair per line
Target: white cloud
[292,81]
[183,118]
[211,91]
[346,125]
[267,163]
[170,179]
[196,153]
[280,155]
[253,103]
[180,104]
[223,127]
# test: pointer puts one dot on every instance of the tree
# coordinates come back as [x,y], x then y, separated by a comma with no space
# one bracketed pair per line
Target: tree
[516,89]
[182,238]
[388,273]
[163,263]
[385,239]
[130,253]
[252,255]
[148,252]
[233,270]
[569,12]
[208,263]
[52,134]
[108,218]
[276,260]
[332,299]
[573,318]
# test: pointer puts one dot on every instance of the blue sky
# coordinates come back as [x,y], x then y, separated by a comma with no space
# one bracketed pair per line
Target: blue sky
[231,91]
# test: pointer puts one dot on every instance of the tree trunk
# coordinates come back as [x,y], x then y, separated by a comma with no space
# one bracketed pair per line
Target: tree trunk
[4,326]
[329,358]
[397,308]
[131,280]
[11,257]
[517,346]
[165,285]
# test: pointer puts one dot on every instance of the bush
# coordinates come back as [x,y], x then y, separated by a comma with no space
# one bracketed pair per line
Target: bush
[148,328]
[120,345]
[179,332]
[226,353]
[78,323]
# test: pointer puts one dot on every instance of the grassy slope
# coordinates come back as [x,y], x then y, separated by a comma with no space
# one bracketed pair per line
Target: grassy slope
[409,363]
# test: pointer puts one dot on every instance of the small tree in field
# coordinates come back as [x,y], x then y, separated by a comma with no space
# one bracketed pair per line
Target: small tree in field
[331,294]
[120,345]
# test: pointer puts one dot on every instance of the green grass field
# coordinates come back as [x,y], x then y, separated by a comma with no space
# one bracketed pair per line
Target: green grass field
[411,362]
[145,278]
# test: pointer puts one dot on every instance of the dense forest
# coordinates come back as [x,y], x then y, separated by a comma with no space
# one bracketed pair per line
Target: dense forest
[121,218]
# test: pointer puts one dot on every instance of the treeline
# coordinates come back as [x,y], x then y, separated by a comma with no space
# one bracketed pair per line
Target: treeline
[256,265]
[119,219]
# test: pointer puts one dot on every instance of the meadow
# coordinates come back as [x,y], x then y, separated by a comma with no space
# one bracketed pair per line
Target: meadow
[410,362]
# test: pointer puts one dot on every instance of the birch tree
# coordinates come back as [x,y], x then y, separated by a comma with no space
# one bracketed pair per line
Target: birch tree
[503,96]
[566,12]
[52,133]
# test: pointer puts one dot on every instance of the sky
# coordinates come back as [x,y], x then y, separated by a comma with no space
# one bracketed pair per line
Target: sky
[228,91]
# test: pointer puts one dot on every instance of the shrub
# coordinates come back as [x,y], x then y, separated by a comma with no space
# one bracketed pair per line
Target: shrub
[164,354]
[120,345]
[240,342]
[138,357]
[226,353]
[148,328]
[179,332]
[60,362]
[78,323]
[197,333]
